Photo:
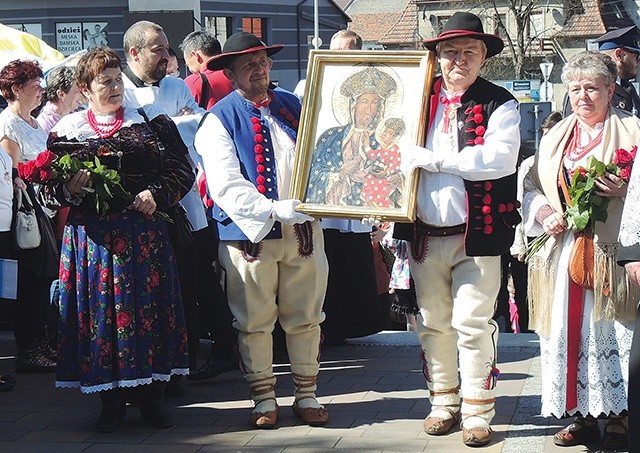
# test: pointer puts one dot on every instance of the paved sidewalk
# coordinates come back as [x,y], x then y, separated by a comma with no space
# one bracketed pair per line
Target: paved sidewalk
[373,388]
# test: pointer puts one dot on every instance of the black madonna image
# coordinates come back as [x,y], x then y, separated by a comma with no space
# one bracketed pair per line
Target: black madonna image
[355,121]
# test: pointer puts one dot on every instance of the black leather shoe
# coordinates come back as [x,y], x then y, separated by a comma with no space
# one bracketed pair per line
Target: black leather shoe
[114,409]
[174,389]
[212,368]
[155,412]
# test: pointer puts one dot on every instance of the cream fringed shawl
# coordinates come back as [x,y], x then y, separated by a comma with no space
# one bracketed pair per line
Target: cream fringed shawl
[614,297]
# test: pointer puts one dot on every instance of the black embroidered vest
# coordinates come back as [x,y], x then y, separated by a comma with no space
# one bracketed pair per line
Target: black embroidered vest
[491,204]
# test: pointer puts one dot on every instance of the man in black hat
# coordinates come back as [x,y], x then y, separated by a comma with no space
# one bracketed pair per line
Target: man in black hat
[466,217]
[273,255]
[623,46]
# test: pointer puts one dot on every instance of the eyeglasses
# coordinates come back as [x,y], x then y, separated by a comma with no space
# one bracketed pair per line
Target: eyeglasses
[635,54]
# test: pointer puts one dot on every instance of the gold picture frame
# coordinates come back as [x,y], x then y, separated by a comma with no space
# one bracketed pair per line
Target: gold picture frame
[359,109]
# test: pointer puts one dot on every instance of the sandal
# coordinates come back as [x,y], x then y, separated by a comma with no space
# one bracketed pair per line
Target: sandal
[615,434]
[582,431]
[7,383]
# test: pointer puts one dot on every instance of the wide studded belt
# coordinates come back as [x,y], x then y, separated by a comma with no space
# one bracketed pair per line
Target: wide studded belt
[430,230]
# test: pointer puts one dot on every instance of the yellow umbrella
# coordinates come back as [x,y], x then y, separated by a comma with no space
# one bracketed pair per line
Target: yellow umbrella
[16,44]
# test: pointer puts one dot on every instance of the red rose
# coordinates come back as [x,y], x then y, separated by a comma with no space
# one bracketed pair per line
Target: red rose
[622,157]
[44,159]
[155,278]
[123,319]
[625,173]
[27,170]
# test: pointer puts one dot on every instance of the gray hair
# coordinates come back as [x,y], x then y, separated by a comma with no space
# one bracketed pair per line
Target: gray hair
[592,65]
[136,36]
[60,78]
[203,41]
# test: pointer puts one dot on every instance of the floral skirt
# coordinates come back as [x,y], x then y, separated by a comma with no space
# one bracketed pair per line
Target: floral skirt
[121,317]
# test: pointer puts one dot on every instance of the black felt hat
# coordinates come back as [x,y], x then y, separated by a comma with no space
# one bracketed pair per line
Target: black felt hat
[467,25]
[237,44]
[627,38]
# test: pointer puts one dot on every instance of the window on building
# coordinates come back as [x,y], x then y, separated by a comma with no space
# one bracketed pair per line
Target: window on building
[254,25]
[219,27]
[535,26]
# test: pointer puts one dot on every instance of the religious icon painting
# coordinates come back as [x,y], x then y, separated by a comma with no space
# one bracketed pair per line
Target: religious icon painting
[359,110]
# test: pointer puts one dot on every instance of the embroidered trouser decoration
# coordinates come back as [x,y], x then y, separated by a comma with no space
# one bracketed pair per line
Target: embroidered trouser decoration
[250,250]
[304,236]
[419,246]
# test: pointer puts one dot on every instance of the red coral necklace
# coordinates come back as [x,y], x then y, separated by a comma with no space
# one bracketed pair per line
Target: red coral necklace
[105,130]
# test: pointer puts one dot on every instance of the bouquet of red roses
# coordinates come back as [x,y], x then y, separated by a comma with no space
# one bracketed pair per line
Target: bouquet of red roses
[49,168]
[587,207]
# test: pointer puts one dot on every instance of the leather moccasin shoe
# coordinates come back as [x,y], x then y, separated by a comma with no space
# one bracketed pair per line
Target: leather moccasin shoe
[438,426]
[264,420]
[476,437]
[312,416]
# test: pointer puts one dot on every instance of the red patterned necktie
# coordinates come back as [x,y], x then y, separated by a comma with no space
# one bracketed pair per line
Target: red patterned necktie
[450,106]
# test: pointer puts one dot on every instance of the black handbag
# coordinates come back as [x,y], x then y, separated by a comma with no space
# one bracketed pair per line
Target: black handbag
[180,229]
[49,265]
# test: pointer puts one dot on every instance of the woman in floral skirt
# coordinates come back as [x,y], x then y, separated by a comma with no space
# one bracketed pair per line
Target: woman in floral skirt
[122,324]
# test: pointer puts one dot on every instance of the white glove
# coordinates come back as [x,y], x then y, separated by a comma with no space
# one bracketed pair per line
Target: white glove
[413,157]
[285,211]
[370,222]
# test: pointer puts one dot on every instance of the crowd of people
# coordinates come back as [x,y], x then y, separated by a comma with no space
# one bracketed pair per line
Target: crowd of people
[134,294]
